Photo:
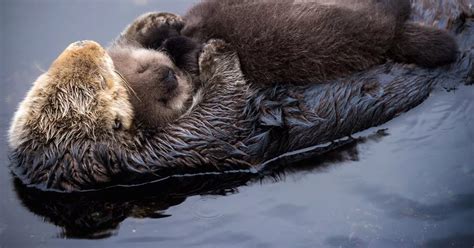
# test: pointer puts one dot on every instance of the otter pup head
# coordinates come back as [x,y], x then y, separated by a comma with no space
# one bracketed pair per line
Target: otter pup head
[80,97]
[160,91]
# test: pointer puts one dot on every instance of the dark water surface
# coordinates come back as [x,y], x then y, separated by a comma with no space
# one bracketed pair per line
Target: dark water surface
[409,186]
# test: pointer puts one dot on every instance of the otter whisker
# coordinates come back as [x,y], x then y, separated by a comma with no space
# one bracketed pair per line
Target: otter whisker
[127,85]
[38,67]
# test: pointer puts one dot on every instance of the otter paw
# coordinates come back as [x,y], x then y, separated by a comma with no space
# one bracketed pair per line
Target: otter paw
[216,46]
[151,29]
[213,54]
[154,20]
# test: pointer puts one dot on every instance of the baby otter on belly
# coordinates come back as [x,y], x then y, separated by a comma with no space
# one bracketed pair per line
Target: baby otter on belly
[283,41]
[162,81]
[159,90]
[301,42]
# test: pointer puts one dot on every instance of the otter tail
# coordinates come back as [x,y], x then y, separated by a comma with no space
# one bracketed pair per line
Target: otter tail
[424,46]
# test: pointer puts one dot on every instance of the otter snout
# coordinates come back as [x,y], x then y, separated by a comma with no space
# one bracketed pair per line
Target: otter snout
[170,81]
[84,62]
[83,43]
[80,56]
[87,48]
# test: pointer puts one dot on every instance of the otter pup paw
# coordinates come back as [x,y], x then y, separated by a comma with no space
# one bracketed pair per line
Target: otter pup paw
[217,57]
[152,29]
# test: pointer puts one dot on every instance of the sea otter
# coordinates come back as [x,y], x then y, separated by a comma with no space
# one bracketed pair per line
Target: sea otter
[163,82]
[295,42]
[300,42]
[160,90]
[74,129]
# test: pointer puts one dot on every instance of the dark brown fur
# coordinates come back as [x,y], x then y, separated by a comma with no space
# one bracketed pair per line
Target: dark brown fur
[283,41]
[425,46]
[293,43]
[234,127]
[64,135]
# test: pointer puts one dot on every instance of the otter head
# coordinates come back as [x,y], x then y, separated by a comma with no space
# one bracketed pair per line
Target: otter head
[75,117]
[160,91]
[80,97]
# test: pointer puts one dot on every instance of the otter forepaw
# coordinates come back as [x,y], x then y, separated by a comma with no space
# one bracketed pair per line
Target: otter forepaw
[151,29]
[153,20]
[217,56]
[217,46]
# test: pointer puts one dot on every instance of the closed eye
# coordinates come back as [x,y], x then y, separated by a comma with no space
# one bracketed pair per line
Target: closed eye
[103,82]
[142,68]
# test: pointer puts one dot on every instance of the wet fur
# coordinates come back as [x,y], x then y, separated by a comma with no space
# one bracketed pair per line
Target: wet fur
[234,126]
[425,46]
[298,43]
[164,80]
[159,91]
[60,141]
[311,42]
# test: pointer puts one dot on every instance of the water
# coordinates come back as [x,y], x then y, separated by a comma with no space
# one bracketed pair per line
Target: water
[410,187]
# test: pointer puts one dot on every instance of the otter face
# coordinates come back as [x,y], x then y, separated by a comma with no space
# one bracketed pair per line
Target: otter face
[160,90]
[80,97]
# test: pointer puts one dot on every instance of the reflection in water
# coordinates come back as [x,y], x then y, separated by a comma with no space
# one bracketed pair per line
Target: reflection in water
[98,214]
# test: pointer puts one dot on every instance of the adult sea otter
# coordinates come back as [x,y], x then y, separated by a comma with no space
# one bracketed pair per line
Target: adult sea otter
[74,130]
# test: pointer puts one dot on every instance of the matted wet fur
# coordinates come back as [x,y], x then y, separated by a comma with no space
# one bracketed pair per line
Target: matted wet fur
[72,131]
[81,148]
[288,41]
[233,127]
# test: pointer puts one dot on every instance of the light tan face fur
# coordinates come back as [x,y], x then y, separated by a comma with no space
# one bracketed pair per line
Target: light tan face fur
[143,70]
[79,97]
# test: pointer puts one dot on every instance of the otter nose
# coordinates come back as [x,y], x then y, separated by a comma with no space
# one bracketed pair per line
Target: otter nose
[80,61]
[80,43]
[170,81]
[84,44]
[81,52]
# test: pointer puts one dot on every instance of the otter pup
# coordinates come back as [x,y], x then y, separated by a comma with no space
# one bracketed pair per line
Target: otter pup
[161,81]
[300,42]
[159,90]
[295,42]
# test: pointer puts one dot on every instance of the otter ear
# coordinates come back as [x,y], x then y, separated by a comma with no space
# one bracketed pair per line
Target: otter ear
[183,51]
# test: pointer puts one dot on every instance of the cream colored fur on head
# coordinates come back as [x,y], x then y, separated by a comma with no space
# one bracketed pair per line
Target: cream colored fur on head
[80,96]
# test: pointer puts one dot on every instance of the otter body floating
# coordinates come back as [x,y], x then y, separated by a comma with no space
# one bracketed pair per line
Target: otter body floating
[74,129]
